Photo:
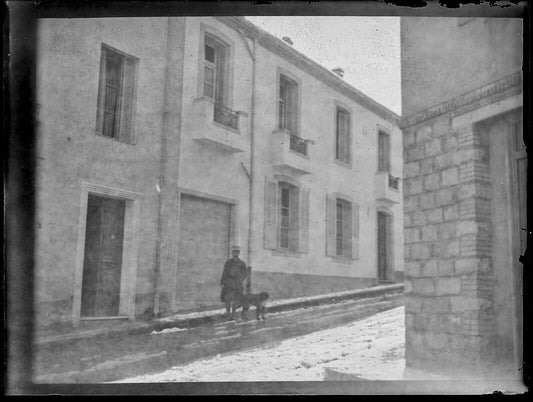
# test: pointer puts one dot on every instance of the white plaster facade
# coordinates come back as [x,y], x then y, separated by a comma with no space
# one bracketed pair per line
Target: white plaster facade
[179,150]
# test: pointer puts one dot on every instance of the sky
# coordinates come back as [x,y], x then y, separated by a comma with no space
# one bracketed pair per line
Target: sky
[367,48]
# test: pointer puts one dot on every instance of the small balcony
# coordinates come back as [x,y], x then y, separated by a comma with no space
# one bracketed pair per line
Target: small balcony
[290,153]
[387,188]
[218,126]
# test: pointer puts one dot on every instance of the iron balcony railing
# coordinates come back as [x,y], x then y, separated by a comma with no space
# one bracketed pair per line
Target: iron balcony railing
[226,116]
[298,145]
[394,182]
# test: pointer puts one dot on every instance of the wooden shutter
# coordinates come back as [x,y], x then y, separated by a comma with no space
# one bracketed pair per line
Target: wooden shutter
[294,208]
[221,75]
[270,239]
[387,152]
[331,207]
[293,108]
[338,137]
[303,246]
[355,231]
[347,229]
[383,152]
[343,135]
[128,101]
[101,93]
[347,139]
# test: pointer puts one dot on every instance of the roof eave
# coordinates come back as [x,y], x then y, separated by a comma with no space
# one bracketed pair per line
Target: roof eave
[277,46]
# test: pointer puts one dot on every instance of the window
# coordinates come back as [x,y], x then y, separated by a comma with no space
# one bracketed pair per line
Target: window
[342,137]
[216,80]
[339,235]
[383,152]
[287,105]
[286,217]
[215,69]
[342,228]
[116,95]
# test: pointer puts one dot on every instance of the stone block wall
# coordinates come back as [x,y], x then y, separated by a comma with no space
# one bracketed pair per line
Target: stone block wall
[448,270]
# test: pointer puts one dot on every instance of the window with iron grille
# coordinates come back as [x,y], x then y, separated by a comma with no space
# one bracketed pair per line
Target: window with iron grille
[342,138]
[116,95]
[287,105]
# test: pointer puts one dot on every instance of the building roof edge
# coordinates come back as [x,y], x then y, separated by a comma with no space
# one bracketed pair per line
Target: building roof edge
[488,93]
[277,46]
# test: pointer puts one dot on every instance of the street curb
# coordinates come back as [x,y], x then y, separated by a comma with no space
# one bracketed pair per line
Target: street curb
[281,305]
[290,304]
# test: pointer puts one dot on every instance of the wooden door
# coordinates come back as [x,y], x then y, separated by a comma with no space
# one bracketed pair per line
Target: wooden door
[382,246]
[102,266]
[519,178]
[203,249]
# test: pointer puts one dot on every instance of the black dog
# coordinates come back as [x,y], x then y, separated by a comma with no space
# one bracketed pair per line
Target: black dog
[257,300]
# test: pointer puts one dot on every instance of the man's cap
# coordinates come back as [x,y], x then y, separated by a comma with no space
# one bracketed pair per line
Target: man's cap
[235,248]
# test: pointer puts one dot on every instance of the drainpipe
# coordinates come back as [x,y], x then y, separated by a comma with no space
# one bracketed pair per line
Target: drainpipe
[252,54]
[169,108]
[252,161]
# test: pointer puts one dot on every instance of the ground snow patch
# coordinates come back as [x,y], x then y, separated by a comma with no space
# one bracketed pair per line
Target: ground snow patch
[344,349]
[168,331]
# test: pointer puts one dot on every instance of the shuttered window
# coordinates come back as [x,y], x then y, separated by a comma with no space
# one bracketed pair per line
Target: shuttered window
[289,216]
[342,228]
[116,95]
[286,217]
[342,137]
[383,152]
[339,229]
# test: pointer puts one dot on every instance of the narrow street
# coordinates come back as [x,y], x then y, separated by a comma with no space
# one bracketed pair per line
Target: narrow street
[126,357]
[368,349]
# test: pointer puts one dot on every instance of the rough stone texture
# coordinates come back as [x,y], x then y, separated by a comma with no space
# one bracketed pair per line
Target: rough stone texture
[448,271]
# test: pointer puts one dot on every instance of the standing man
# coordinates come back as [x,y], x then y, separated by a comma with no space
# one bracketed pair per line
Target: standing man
[232,278]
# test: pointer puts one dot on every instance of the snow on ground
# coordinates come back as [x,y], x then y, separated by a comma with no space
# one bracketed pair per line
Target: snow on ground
[168,330]
[371,348]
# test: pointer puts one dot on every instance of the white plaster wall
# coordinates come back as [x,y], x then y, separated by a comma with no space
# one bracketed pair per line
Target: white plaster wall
[486,49]
[203,168]
[69,151]
[318,124]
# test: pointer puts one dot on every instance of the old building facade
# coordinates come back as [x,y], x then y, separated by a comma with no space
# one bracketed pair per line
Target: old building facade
[464,194]
[164,141]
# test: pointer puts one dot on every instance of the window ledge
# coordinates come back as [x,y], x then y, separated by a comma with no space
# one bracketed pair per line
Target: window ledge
[343,164]
[114,139]
[216,123]
[342,260]
[286,253]
[204,98]
[299,154]
[281,130]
